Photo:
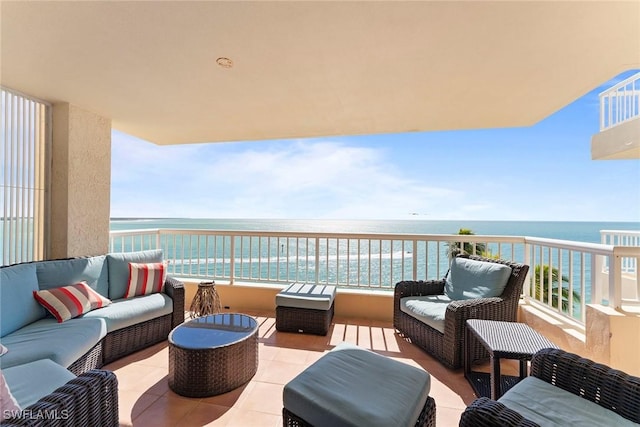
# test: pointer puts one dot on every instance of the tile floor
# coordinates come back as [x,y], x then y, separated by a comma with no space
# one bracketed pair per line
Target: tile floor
[146,400]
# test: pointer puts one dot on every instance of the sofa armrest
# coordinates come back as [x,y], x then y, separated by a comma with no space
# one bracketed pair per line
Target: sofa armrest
[490,413]
[175,289]
[89,399]
[610,388]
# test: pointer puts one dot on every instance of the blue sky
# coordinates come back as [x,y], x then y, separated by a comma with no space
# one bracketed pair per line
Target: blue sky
[543,172]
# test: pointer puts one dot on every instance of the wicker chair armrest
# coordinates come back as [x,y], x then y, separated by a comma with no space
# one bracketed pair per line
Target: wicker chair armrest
[490,413]
[174,288]
[412,288]
[459,311]
[610,388]
[89,399]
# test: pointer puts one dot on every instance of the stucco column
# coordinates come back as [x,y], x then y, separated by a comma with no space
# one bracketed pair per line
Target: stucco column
[80,182]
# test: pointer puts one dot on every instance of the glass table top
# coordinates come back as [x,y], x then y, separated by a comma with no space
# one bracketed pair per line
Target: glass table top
[216,330]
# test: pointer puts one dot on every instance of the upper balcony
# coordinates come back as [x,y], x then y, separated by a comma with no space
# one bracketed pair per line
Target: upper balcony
[619,136]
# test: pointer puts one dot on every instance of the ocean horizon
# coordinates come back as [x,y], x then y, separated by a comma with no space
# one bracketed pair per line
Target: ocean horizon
[582,231]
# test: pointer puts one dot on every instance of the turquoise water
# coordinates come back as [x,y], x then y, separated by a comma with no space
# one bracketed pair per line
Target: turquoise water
[577,231]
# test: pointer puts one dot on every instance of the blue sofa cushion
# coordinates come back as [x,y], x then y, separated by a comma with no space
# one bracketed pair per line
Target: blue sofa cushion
[118,264]
[34,380]
[548,405]
[126,312]
[64,343]
[429,309]
[352,386]
[303,295]
[57,273]
[17,305]
[470,278]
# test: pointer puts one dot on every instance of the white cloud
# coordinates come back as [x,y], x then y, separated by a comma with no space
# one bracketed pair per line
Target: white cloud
[268,180]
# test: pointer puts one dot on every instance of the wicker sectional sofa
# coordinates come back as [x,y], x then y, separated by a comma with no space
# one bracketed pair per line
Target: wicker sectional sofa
[81,345]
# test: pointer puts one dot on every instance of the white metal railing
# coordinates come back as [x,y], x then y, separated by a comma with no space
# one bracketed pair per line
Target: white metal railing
[620,103]
[623,238]
[564,275]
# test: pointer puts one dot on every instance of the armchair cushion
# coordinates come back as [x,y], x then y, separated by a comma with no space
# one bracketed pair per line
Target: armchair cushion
[546,405]
[470,278]
[429,309]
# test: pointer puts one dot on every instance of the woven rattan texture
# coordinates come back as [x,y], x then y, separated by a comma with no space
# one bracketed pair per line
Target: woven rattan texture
[90,360]
[128,340]
[427,417]
[448,347]
[304,320]
[207,372]
[509,340]
[91,399]
[609,388]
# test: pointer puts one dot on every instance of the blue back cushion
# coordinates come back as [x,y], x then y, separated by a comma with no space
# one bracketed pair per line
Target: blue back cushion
[93,270]
[18,307]
[469,278]
[119,269]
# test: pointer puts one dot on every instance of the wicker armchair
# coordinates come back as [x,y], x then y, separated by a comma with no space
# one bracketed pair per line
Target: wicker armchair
[448,347]
[610,388]
[91,399]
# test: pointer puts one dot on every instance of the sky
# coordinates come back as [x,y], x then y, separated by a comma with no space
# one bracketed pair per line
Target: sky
[538,173]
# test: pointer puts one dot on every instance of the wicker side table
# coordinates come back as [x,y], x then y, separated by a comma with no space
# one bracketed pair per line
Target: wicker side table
[206,300]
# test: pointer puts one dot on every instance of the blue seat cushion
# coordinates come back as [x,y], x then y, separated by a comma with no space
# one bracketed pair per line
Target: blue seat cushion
[34,380]
[352,386]
[302,295]
[470,278]
[126,312]
[57,273]
[429,309]
[118,265]
[64,343]
[18,307]
[551,406]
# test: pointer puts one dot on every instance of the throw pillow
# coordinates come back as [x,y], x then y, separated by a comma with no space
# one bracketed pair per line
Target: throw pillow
[145,279]
[8,404]
[71,301]
[469,278]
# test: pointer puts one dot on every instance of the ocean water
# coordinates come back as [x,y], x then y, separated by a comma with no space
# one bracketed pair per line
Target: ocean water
[375,264]
[564,230]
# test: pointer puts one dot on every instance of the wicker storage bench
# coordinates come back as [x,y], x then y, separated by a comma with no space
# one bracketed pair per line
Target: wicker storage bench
[352,386]
[305,308]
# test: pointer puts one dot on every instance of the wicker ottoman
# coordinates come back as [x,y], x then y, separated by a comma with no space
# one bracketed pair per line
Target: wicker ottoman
[351,387]
[305,308]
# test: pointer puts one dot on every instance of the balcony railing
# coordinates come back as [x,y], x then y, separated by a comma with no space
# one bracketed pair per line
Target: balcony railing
[564,275]
[620,103]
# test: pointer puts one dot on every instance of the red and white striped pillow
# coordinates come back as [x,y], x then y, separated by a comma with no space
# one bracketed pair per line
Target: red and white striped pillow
[145,279]
[70,301]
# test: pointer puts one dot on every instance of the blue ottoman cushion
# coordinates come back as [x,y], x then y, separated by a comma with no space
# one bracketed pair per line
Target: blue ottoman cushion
[352,386]
[302,295]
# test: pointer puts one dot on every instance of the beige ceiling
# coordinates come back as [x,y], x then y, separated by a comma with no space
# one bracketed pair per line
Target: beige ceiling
[314,68]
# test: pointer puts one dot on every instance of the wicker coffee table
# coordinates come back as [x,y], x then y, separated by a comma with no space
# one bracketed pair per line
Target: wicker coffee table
[503,340]
[213,354]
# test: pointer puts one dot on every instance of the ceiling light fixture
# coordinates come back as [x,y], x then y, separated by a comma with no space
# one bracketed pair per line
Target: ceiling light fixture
[224,62]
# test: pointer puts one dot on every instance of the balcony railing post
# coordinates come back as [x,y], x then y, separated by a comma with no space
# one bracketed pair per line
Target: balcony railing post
[232,259]
[615,280]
